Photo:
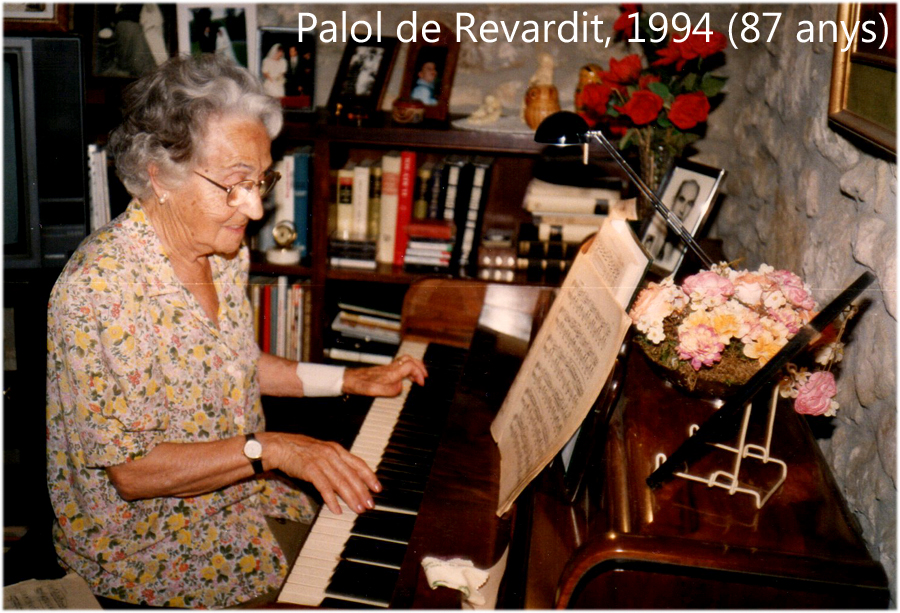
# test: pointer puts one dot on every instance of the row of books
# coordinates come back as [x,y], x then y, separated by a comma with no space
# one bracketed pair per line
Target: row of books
[290,200]
[381,201]
[98,169]
[281,316]
[361,334]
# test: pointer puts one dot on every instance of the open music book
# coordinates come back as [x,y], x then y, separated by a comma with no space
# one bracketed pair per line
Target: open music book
[570,359]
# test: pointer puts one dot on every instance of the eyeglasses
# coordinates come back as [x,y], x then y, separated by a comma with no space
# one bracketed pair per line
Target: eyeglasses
[233,196]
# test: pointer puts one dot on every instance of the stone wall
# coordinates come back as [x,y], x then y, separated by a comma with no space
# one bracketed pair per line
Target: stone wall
[798,195]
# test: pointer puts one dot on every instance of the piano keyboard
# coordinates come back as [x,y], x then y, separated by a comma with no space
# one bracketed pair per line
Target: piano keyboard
[353,560]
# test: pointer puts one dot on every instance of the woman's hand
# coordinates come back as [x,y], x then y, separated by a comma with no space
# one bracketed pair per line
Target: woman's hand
[384,380]
[329,467]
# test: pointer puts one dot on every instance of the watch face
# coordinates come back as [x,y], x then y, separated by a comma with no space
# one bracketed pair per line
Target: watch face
[253,449]
[284,234]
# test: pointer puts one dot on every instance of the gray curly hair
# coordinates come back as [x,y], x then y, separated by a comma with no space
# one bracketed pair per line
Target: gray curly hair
[166,112]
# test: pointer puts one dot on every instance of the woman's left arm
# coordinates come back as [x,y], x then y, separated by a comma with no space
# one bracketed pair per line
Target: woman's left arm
[278,377]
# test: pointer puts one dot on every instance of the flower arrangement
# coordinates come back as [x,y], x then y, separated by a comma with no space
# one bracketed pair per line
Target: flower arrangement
[664,104]
[722,325]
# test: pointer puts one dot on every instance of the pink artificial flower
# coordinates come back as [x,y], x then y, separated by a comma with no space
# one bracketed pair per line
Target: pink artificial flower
[787,317]
[814,397]
[749,286]
[708,288]
[793,289]
[656,302]
[701,345]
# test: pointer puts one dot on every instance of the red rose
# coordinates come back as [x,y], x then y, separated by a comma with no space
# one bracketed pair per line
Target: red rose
[595,96]
[625,23]
[643,107]
[689,109]
[645,80]
[699,46]
[626,70]
[670,55]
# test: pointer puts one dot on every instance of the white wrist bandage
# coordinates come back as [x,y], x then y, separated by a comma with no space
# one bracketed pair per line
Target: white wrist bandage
[320,379]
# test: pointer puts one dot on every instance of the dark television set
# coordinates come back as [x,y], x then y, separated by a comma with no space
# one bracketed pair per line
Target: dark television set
[44,156]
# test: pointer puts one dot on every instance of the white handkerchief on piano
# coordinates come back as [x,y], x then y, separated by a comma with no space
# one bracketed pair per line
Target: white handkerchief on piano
[461,574]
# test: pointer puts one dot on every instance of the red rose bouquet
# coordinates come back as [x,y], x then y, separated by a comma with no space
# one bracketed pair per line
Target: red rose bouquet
[660,101]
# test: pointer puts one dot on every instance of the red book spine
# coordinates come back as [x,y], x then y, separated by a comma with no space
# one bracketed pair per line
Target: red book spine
[404,203]
[430,228]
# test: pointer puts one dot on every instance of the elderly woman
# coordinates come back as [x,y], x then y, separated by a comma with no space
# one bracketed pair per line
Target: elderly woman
[160,472]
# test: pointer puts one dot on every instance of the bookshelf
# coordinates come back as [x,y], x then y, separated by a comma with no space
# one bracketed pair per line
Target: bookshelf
[333,146]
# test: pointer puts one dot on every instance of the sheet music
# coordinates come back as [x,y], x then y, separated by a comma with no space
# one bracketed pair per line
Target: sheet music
[565,369]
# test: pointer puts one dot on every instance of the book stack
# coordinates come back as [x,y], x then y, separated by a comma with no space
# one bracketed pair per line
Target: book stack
[574,213]
[356,252]
[544,257]
[363,334]
[281,316]
[430,246]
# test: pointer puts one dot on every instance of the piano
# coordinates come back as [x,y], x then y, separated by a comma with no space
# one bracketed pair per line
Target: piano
[615,544]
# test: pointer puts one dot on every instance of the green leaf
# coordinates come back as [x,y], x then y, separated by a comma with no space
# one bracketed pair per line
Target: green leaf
[625,142]
[711,85]
[663,121]
[660,89]
[689,83]
[612,112]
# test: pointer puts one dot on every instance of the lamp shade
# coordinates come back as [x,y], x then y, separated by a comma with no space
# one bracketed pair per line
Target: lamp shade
[562,128]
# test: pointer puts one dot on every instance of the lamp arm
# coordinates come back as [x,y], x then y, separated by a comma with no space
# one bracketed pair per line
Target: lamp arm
[671,219]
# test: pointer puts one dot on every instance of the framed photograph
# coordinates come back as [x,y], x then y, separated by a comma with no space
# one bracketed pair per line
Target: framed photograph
[865,75]
[36,17]
[132,39]
[361,78]
[225,29]
[689,191]
[287,67]
[428,75]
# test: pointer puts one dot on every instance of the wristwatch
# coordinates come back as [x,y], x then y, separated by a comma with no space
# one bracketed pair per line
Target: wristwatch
[253,450]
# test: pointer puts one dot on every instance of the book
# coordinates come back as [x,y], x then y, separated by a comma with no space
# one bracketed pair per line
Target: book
[423,180]
[453,165]
[301,198]
[430,228]
[550,197]
[349,262]
[345,200]
[387,224]
[360,199]
[569,233]
[471,226]
[570,359]
[404,203]
[357,329]
[436,188]
[374,216]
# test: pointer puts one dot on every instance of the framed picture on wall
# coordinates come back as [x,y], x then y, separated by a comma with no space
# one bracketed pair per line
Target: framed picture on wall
[864,75]
[361,78]
[428,75]
[132,39]
[689,191]
[36,17]
[287,67]
[225,29]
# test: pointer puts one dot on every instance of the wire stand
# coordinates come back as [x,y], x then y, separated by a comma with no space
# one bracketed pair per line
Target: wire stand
[729,480]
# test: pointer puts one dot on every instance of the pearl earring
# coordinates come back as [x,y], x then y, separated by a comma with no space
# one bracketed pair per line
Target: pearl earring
[162,199]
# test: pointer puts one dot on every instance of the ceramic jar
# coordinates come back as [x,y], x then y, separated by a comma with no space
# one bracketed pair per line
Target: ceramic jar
[540,101]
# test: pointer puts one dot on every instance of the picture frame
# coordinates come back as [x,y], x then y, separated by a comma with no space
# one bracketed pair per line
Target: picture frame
[132,39]
[361,79]
[226,29]
[429,71]
[36,17]
[292,76]
[864,76]
[689,190]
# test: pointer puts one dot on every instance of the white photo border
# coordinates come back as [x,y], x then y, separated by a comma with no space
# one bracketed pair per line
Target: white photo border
[667,249]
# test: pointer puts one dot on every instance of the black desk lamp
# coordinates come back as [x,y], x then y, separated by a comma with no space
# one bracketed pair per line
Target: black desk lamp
[565,128]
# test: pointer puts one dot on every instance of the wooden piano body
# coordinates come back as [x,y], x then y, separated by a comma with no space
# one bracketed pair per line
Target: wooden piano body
[619,544]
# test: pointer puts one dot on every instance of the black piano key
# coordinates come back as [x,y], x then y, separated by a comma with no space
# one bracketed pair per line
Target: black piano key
[358,549]
[337,603]
[400,486]
[415,460]
[363,581]
[417,470]
[399,499]
[385,525]
[403,441]
[404,477]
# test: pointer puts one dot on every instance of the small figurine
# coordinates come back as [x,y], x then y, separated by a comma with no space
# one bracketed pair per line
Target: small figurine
[489,111]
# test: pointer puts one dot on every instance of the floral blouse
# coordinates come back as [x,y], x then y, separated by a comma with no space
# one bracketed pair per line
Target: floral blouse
[133,361]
